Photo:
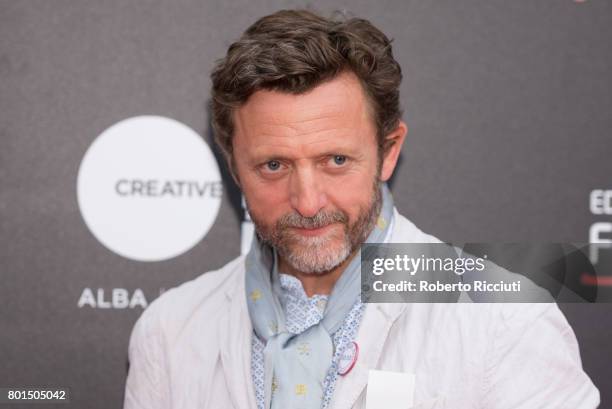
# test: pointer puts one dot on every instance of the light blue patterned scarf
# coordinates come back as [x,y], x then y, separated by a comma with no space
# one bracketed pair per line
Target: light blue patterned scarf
[296,364]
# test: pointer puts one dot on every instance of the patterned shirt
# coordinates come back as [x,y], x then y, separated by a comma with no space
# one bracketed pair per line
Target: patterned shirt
[302,312]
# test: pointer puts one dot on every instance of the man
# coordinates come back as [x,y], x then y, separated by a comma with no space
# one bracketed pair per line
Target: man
[306,111]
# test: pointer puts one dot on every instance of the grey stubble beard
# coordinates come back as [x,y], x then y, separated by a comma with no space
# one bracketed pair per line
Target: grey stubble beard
[318,255]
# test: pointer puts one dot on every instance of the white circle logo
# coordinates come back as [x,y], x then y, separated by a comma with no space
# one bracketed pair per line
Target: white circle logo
[149,188]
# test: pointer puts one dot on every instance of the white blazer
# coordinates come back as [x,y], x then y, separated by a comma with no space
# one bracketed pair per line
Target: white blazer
[191,348]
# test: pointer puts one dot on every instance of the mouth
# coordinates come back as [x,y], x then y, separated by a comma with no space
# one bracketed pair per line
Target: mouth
[313,232]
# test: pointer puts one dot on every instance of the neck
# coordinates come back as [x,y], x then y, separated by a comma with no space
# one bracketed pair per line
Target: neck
[314,283]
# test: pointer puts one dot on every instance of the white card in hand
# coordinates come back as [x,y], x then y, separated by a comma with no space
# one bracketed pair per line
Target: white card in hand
[390,390]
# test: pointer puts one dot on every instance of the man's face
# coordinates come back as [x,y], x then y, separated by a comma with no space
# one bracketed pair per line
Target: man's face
[307,165]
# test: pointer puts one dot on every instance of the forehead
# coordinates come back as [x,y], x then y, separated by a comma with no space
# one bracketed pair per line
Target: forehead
[334,112]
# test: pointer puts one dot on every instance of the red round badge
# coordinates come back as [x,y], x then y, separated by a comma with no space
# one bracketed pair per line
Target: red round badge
[348,358]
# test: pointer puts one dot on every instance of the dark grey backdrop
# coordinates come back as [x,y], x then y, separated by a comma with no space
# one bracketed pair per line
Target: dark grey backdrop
[509,108]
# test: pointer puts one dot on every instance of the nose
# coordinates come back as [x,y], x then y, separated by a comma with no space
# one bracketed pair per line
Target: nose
[306,194]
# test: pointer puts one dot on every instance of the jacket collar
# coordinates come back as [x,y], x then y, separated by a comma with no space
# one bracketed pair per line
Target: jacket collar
[378,319]
[375,327]
[235,334]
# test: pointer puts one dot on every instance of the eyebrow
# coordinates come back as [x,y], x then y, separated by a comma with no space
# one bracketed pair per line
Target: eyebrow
[262,159]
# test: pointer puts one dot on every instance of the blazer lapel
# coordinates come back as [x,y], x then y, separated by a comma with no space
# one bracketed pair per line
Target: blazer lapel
[235,342]
[371,338]
[375,327]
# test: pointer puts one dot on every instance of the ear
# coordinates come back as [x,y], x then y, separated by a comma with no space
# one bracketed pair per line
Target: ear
[391,150]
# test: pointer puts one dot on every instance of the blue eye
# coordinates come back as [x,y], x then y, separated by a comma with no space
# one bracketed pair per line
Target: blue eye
[339,160]
[273,165]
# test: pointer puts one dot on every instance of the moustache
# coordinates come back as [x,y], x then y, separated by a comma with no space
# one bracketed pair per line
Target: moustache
[321,219]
